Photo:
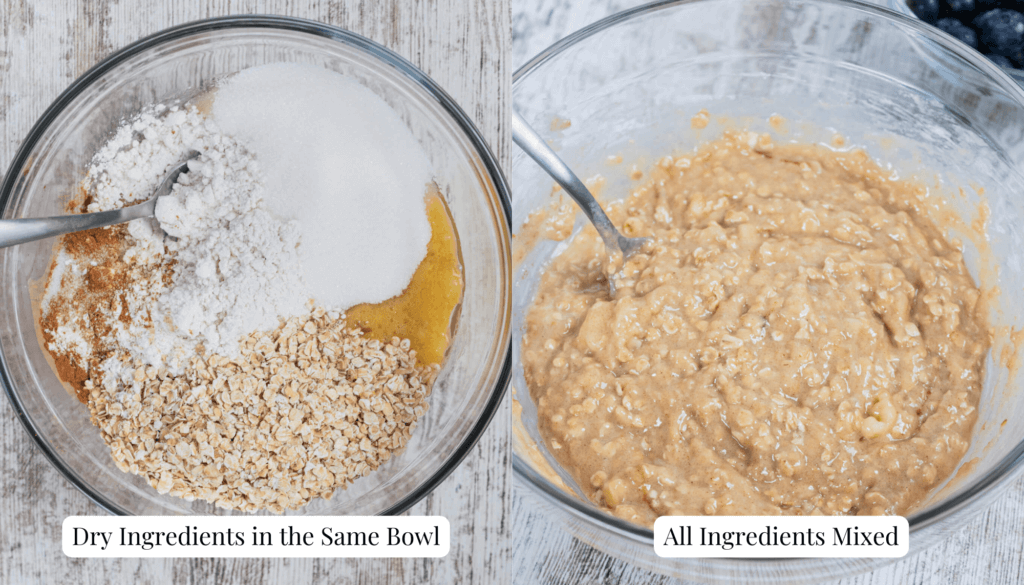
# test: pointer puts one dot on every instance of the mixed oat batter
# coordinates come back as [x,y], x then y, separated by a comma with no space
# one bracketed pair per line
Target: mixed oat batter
[800,339]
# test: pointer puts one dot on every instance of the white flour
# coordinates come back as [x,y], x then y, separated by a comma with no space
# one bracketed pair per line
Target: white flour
[237,267]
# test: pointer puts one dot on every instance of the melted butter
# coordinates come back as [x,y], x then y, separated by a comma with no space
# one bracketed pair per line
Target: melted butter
[423,312]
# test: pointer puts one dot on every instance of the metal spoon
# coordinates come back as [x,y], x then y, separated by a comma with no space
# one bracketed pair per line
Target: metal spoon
[20,231]
[620,248]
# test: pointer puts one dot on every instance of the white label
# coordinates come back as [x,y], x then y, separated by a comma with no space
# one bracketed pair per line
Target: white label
[256,536]
[781,536]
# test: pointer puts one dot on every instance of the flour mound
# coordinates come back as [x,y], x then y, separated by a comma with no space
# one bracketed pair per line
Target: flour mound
[238,268]
[235,266]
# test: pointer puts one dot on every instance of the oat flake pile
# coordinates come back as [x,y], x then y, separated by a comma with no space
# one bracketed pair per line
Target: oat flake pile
[211,366]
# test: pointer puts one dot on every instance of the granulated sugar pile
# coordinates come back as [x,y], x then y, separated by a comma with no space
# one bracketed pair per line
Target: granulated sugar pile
[363,217]
[306,198]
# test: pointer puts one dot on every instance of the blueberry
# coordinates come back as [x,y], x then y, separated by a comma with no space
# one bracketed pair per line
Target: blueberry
[960,6]
[1001,61]
[926,10]
[989,4]
[1002,32]
[958,31]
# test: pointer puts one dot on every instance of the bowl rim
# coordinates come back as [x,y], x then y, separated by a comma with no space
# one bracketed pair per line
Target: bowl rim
[1007,469]
[337,34]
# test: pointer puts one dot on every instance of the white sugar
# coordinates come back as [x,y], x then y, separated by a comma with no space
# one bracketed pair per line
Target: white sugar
[340,161]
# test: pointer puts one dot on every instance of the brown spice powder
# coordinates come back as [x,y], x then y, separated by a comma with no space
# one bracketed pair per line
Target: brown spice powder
[71,373]
[100,294]
[94,243]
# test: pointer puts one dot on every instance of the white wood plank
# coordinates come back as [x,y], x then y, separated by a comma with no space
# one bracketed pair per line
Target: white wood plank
[44,46]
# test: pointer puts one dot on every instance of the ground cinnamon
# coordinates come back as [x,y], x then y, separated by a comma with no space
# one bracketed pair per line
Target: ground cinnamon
[97,295]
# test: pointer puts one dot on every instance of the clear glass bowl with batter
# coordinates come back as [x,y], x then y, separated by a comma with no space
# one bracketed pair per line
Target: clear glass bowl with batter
[180,64]
[900,89]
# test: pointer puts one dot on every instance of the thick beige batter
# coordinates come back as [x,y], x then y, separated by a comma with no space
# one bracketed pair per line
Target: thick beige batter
[800,339]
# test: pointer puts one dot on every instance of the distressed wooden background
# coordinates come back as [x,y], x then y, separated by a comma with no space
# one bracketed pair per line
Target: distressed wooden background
[44,46]
[988,550]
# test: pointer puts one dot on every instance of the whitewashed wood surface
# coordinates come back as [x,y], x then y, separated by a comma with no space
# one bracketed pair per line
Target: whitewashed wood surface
[44,46]
[989,550]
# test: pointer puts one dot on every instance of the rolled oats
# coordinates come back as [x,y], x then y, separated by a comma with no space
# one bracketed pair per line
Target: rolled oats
[302,411]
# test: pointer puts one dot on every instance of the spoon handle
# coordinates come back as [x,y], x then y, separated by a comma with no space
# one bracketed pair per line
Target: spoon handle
[19,231]
[534,145]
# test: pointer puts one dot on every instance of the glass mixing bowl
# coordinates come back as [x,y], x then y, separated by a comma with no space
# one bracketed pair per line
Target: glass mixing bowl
[891,85]
[179,64]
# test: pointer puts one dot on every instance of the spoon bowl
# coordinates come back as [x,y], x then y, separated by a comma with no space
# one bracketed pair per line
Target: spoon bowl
[20,231]
[620,248]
